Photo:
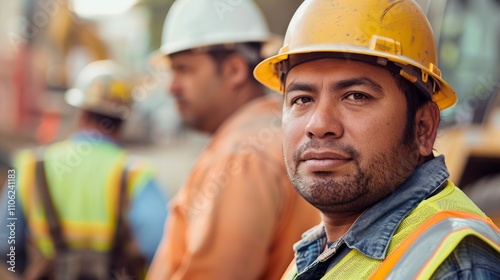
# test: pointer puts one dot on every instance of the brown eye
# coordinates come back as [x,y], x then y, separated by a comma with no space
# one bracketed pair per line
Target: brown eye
[356,96]
[301,100]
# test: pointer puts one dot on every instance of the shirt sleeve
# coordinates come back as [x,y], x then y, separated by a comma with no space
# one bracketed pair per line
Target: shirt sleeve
[232,217]
[472,259]
[146,218]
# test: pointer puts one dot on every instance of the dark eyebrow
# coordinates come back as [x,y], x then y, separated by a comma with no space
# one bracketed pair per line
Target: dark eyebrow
[300,87]
[363,81]
[343,84]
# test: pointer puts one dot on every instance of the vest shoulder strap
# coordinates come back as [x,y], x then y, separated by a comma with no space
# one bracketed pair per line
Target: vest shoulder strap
[425,249]
[121,234]
[429,234]
[355,265]
[53,221]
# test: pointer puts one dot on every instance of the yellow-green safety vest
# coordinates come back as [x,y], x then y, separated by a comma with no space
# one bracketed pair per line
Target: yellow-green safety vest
[84,186]
[424,239]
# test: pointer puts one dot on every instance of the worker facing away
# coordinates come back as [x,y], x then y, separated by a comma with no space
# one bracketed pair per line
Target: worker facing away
[89,210]
[237,216]
[362,100]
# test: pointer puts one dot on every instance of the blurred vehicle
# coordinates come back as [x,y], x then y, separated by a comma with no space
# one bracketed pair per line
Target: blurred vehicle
[468,33]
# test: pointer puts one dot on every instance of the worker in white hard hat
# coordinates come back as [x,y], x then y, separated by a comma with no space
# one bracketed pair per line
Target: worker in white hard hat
[90,210]
[362,100]
[237,216]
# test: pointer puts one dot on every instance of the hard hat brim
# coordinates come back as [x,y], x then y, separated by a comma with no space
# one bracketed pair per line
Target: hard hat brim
[76,98]
[265,72]
[270,46]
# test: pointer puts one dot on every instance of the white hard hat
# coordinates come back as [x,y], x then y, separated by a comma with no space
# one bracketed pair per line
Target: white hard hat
[102,88]
[192,24]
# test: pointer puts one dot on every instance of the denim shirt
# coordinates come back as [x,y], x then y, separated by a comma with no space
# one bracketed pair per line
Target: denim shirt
[371,233]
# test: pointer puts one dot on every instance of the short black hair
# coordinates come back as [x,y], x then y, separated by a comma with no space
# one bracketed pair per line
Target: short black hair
[108,123]
[415,99]
[219,55]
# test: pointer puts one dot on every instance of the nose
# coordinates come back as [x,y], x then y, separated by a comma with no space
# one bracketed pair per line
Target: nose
[325,122]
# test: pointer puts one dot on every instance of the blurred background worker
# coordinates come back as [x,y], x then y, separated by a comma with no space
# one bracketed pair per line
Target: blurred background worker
[88,208]
[237,216]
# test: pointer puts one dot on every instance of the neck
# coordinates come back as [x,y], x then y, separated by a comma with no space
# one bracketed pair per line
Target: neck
[240,97]
[336,225]
[86,123]
[246,94]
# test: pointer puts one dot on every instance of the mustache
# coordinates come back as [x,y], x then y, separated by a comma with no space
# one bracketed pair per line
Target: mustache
[332,145]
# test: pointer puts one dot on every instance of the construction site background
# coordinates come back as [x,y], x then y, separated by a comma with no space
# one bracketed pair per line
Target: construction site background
[47,42]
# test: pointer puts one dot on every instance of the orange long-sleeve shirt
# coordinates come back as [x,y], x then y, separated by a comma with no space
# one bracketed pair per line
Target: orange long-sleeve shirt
[238,215]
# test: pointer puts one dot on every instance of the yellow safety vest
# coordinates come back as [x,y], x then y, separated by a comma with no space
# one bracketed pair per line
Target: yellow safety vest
[84,185]
[439,222]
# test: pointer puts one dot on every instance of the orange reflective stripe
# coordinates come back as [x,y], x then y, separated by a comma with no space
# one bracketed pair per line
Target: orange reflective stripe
[390,262]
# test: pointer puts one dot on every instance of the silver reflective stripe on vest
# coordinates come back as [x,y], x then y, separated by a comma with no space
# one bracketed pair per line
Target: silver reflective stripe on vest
[423,248]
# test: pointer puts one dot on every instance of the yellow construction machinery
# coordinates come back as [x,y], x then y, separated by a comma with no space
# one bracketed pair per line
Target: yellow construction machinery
[468,33]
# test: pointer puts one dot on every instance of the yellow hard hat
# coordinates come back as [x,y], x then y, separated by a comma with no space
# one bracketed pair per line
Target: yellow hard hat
[385,32]
[102,88]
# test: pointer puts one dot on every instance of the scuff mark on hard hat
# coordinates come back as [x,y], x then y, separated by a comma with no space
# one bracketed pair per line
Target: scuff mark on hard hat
[388,9]
[334,3]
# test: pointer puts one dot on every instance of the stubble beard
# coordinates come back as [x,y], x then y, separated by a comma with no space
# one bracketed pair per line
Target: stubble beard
[357,191]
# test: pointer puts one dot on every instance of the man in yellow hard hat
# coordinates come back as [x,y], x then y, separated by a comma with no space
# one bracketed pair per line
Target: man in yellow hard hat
[362,100]
[89,209]
[237,216]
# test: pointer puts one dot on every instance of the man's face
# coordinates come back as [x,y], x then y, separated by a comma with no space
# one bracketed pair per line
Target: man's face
[343,125]
[198,89]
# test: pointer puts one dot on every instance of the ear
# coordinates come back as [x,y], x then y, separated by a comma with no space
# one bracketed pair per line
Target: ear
[235,70]
[427,121]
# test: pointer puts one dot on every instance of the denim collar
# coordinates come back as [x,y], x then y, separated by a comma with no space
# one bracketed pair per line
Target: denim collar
[373,230]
